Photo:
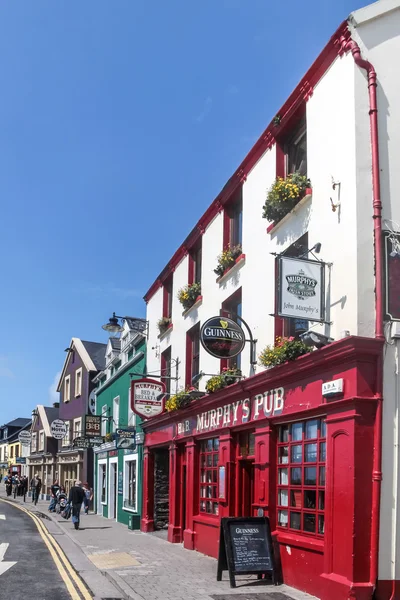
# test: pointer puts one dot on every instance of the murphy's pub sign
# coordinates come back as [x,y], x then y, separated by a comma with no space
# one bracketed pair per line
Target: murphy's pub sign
[222,337]
[269,404]
[301,289]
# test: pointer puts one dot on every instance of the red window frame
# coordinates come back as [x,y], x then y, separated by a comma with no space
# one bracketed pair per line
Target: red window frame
[192,353]
[233,217]
[166,369]
[284,138]
[299,501]
[208,478]
[195,264]
[229,308]
[167,298]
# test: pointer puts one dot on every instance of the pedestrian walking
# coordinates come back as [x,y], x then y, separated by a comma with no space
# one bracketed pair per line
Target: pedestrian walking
[9,485]
[75,498]
[24,486]
[88,497]
[37,486]
[55,488]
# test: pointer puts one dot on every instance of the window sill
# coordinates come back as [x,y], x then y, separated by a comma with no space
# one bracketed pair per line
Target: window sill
[197,303]
[212,520]
[129,510]
[239,262]
[166,332]
[300,541]
[273,227]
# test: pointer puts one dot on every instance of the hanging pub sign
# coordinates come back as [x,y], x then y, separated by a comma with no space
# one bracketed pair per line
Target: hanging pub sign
[83,443]
[301,289]
[147,397]
[24,437]
[92,426]
[245,547]
[392,275]
[125,437]
[58,429]
[222,337]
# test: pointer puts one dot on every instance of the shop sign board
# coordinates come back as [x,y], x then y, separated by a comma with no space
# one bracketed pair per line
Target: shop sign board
[24,437]
[301,289]
[147,399]
[92,426]
[245,547]
[392,275]
[125,438]
[120,483]
[331,388]
[58,429]
[222,337]
[86,442]
[21,460]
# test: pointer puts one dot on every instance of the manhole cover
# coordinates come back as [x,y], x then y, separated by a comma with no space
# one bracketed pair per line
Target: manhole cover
[41,515]
[251,596]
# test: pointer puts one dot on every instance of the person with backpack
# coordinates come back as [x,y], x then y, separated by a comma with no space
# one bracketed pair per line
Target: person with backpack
[76,497]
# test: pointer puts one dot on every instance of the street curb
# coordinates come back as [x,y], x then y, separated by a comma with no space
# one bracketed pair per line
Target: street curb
[122,587]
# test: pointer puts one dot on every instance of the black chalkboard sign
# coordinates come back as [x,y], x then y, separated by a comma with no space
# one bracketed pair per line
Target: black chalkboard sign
[245,547]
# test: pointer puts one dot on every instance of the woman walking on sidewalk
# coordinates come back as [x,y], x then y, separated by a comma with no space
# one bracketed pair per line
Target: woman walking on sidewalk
[76,496]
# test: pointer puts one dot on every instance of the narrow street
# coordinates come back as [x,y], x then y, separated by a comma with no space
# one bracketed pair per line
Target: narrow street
[35,573]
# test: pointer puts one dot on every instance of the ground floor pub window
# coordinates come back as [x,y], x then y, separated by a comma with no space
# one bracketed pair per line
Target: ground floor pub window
[301,476]
[209,451]
[130,483]
[103,487]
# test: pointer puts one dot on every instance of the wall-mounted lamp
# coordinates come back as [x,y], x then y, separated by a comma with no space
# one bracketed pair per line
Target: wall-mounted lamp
[136,323]
[318,340]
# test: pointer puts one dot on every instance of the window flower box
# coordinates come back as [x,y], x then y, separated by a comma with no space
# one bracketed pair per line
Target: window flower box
[238,261]
[189,294]
[284,195]
[197,303]
[164,325]
[285,350]
[225,378]
[227,259]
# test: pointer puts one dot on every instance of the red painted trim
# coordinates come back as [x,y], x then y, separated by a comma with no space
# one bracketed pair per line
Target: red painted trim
[191,265]
[170,326]
[347,45]
[300,94]
[226,232]
[291,539]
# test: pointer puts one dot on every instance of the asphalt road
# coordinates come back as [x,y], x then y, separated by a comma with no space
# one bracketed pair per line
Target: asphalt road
[35,576]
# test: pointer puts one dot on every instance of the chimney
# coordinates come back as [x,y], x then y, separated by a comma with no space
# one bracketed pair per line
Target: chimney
[56,405]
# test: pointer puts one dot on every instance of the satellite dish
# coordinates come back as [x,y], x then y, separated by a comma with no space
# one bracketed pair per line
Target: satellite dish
[92,402]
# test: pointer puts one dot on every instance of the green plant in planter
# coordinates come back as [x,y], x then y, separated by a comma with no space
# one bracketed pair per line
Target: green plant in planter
[285,349]
[179,400]
[283,196]
[188,295]
[163,324]
[109,437]
[226,377]
[227,259]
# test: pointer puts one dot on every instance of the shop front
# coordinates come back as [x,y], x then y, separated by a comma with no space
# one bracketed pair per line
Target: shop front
[294,443]
[43,465]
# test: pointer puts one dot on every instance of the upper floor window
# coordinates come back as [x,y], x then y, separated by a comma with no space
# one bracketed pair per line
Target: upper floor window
[11,451]
[5,433]
[77,428]
[166,369]
[34,442]
[16,451]
[232,308]
[115,413]
[233,220]
[195,259]
[285,327]
[296,149]
[192,353]
[67,388]
[104,420]
[67,438]
[78,382]
[41,440]
[167,298]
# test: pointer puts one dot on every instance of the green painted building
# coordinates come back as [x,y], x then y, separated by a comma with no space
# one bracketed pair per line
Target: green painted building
[118,470]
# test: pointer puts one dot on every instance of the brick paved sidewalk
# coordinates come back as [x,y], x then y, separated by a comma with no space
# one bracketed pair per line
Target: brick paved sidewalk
[147,567]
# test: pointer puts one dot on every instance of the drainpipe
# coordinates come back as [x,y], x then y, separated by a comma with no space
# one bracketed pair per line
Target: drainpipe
[351,45]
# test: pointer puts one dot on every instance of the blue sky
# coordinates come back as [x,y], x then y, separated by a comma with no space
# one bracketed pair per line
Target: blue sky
[119,123]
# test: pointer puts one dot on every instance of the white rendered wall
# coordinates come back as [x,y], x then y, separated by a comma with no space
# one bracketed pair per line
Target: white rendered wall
[379,41]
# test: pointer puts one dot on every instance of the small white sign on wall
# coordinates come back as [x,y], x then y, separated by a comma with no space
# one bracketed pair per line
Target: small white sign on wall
[331,388]
[301,289]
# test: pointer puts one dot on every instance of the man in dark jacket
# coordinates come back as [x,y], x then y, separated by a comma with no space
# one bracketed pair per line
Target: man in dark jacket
[76,496]
[36,488]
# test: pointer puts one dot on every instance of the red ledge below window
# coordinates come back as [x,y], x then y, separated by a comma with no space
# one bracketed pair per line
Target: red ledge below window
[239,261]
[164,333]
[197,302]
[299,541]
[308,194]
[213,521]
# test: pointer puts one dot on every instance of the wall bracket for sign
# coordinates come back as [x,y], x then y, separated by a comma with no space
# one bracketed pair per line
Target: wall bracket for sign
[245,548]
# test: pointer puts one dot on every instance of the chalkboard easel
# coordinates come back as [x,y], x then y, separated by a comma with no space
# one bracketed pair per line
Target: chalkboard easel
[245,548]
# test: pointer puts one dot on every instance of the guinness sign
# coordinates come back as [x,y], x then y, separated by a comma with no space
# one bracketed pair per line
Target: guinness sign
[222,337]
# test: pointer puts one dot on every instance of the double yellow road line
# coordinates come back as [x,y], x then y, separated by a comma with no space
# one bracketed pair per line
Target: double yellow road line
[73,583]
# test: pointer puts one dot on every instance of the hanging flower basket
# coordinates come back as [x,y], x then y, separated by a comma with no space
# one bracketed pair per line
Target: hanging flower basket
[163,324]
[227,259]
[283,196]
[285,349]
[180,400]
[188,295]
[225,378]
